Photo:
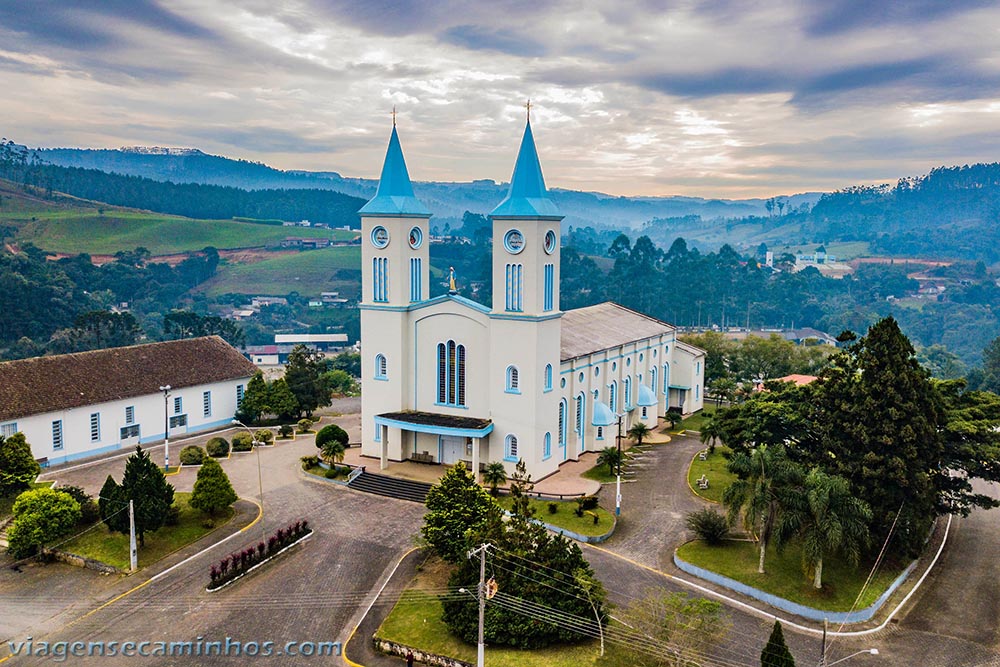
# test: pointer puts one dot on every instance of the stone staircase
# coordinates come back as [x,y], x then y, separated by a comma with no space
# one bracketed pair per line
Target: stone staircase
[393,487]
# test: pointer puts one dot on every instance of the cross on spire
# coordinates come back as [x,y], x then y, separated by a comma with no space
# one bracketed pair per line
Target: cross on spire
[527,107]
[394,115]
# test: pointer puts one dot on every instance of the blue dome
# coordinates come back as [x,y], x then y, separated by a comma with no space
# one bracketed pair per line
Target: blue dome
[646,397]
[603,415]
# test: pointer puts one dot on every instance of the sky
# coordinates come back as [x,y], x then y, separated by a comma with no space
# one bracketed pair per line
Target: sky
[728,99]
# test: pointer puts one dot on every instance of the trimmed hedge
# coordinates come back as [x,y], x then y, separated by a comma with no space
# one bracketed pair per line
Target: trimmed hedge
[217,447]
[329,433]
[193,455]
[242,442]
[264,435]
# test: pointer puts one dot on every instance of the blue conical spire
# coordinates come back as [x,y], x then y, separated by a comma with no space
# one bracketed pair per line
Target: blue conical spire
[527,196]
[394,196]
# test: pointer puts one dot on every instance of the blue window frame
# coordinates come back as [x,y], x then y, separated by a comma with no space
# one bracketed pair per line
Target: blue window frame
[378,432]
[206,404]
[550,279]
[95,427]
[380,279]
[548,378]
[510,448]
[381,367]
[178,405]
[513,383]
[613,396]
[451,374]
[697,392]
[628,392]
[652,380]
[8,429]
[547,447]
[240,390]
[415,279]
[514,274]
[57,434]
[600,433]
[580,411]
[666,379]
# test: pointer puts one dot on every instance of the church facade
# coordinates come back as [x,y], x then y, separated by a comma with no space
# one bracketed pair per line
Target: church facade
[448,379]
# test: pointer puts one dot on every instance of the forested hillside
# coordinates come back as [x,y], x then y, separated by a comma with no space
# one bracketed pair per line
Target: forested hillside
[187,199]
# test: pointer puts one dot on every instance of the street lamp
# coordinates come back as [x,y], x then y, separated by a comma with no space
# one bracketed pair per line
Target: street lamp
[871,651]
[260,478]
[618,487]
[166,428]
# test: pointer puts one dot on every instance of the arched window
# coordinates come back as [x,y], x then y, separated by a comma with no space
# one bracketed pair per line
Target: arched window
[600,433]
[628,391]
[613,396]
[548,377]
[380,279]
[652,380]
[513,381]
[510,448]
[547,448]
[451,374]
[381,367]
[579,413]
[561,431]
[666,379]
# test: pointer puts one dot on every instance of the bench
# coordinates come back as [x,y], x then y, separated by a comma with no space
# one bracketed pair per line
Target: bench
[703,482]
[703,455]
[43,462]
[425,457]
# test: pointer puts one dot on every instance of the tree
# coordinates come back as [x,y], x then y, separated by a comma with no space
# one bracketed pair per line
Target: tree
[144,484]
[110,506]
[455,505]
[495,475]
[40,516]
[776,653]
[339,382]
[687,625]
[333,451]
[760,494]
[331,433]
[281,400]
[638,432]
[828,519]
[303,375]
[99,329]
[611,457]
[349,362]
[18,467]
[212,490]
[256,399]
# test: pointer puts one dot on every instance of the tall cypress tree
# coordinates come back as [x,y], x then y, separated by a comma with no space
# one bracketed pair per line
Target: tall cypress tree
[144,484]
[776,653]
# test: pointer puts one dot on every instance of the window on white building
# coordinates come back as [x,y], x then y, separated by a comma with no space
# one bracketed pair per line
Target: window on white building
[512,380]
[548,378]
[178,420]
[381,367]
[57,434]
[600,433]
[95,426]
[547,449]
[451,374]
[206,404]
[178,405]
[8,429]
[128,432]
[240,391]
[130,414]
[510,448]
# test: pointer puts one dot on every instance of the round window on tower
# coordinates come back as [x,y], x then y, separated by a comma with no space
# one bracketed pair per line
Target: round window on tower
[513,241]
[380,237]
[416,237]
[550,242]
[580,379]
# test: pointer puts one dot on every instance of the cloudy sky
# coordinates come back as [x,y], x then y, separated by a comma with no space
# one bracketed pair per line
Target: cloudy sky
[728,98]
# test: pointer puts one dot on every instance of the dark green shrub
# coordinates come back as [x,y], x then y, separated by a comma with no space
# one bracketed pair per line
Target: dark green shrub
[708,525]
[579,510]
[192,455]
[89,511]
[588,502]
[331,433]
[305,424]
[264,435]
[242,442]
[285,430]
[217,447]
[309,462]
[553,507]
[332,473]
[173,516]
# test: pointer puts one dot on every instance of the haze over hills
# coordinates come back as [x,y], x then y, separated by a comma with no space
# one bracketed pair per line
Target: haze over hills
[448,200]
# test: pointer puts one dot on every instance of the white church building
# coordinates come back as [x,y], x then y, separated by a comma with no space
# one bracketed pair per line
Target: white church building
[448,379]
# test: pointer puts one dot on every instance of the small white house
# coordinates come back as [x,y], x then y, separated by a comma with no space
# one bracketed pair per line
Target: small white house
[72,406]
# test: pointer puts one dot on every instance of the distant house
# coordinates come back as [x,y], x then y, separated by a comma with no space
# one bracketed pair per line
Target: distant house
[71,406]
[305,243]
[803,336]
[796,378]
[321,342]
[259,302]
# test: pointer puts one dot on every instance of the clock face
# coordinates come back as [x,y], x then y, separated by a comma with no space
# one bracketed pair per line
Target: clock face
[380,237]
[416,237]
[550,242]
[513,241]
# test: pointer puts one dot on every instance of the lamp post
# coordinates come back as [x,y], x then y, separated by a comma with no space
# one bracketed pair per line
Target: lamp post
[260,478]
[166,428]
[618,486]
[871,651]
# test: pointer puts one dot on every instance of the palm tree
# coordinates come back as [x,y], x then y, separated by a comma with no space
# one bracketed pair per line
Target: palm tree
[638,431]
[611,457]
[711,430]
[333,451]
[760,495]
[495,475]
[828,518]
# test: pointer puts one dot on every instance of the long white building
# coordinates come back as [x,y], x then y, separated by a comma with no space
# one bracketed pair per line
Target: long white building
[72,406]
[449,379]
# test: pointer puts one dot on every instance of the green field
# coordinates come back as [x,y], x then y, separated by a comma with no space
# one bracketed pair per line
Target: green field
[565,516]
[112,548]
[714,468]
[785,577]
[308,272]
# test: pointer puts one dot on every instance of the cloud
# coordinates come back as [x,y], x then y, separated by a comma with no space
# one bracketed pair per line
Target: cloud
[488,39]
[833,17]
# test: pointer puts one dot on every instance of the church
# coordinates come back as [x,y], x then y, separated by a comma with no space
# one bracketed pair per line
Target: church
[447,379]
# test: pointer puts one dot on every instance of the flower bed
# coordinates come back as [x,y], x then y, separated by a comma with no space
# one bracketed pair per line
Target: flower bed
[237,564]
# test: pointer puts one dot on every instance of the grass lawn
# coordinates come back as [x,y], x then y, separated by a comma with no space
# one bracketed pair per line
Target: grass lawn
[697,420]
[416,621]
[565,517]
[785,578]
[112,548]
[7,503]
[309,272]
[714,468]
[599,473]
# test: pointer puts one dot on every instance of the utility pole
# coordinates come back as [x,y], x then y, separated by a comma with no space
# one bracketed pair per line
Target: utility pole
[133,555]
[822,651]
[481,647]
[166,428]
[618,486]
